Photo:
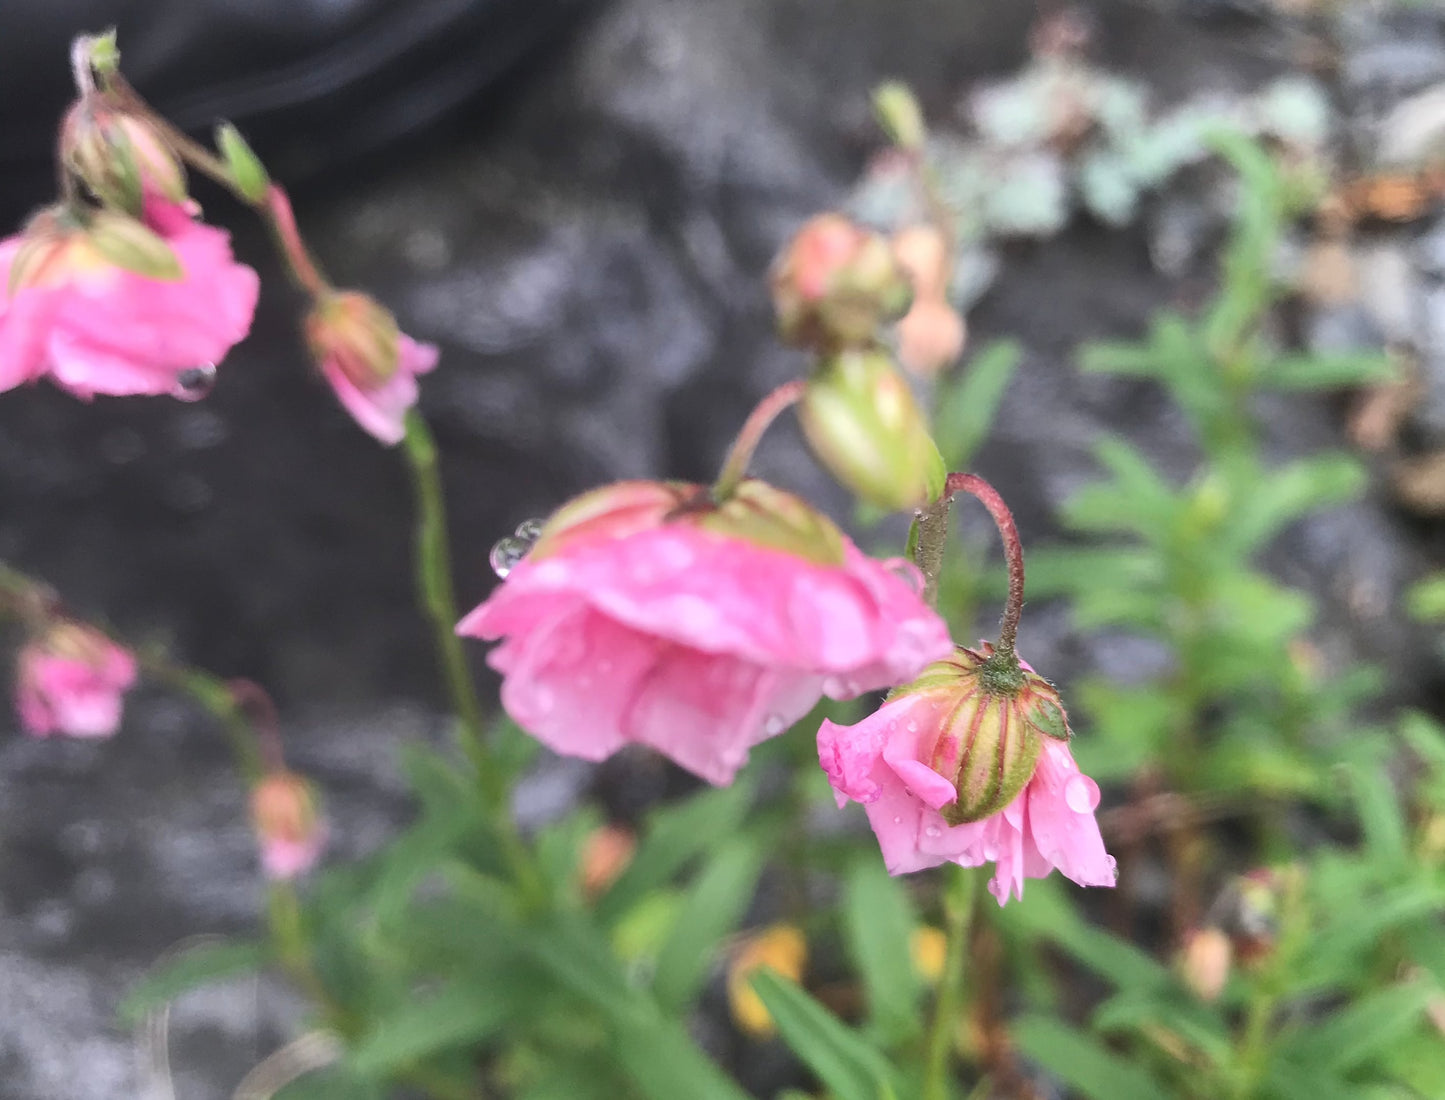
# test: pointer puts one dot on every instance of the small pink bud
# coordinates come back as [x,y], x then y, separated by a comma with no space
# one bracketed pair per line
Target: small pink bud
[836,284]
[370,363]
[1205,962]
[121,157]
[288,826]
[606,853]
[922,252]
[930,337]
[71,680]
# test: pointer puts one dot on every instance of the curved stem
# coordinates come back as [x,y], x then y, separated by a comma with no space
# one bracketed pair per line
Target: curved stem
[959,901]
[735,466]
[438,602]
[1013,550]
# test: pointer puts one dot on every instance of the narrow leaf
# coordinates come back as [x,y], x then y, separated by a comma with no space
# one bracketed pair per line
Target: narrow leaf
[457,1016]
[1081,1062]
[879,920]
[200,965]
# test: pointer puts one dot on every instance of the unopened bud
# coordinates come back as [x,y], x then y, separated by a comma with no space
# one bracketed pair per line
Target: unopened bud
[930,337]
[247,172]
[129,244]
[1205,962]
[288,826]
[994,712]
[359,337]
[899,115]
[863,423]
[605,854]
[836,284]
[120,157]
[922,252]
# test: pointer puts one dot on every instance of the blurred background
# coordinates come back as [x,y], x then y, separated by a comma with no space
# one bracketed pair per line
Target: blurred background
[577,200]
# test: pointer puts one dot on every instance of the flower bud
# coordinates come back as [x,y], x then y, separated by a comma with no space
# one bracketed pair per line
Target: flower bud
[862,422]
[605,854]
[899,115]
[930,337]
[131,245]
[922,252]
[71,680]
[120,157]
[288,826]
[247,171]
[1205,962]
[349,330]
[780,948]
[836,284]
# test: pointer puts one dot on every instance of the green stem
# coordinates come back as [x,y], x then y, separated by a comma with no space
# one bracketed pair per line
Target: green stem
[959,899]
[438,603]
[740,454]
[927,539]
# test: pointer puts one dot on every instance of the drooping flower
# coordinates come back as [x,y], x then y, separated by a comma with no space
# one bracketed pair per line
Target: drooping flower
[371,364]
[71,680]
[118,305]
[649,613]
[289,828]
[970,763]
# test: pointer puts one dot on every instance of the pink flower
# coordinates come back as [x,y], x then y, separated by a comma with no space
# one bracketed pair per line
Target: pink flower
[971,763]
[68,308]
[71,681]
[369,362]
[289,828]
[648,613]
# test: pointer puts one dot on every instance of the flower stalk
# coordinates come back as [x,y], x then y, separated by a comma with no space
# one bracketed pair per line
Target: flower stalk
[960,900]
[740,454]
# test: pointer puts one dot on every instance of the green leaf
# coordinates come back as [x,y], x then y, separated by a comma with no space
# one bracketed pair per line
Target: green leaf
[1046,912]
[1113,357]
[1319,372]
[332,1083]
[666,1065]
[1363,1030]
[968,402]
[1081,1063]
[456,1016]
[196,966]
[851,1067]
[879,920]
[1426,599]
[714,904]
[1282,495]
[676,835]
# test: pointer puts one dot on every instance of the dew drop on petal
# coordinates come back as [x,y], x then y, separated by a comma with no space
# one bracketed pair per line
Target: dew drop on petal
[194,383]
[912,727]
[898,820]
[1081,793]
[774,724]
[933,832]
[529,530]
[507,553]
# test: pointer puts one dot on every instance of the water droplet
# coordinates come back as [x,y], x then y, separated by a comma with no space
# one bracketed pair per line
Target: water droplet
[933,832]
[774,724]
[194,383]
[529,530]
[1113,866]
[1081,793]
[898,820]
[906,572]
[507,553]
[912,727]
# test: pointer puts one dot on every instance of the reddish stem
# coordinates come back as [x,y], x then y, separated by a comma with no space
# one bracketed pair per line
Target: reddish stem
[283,225]
[735,466]
[255,703]
[1013,549]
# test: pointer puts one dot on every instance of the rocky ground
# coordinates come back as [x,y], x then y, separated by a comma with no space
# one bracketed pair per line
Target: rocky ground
[588,249]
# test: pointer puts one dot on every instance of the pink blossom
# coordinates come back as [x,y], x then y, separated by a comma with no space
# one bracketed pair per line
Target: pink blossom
[894,763]
[71,681]
[96,327]
[289,829]
[369,362]
[648,614]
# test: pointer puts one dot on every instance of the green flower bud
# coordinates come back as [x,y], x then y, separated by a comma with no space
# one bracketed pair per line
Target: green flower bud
[127,243]
[995,711]
[862,422]
[899,115]
[120,157]
[247,171]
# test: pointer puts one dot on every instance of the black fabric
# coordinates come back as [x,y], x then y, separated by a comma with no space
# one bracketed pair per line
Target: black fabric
[311,82]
